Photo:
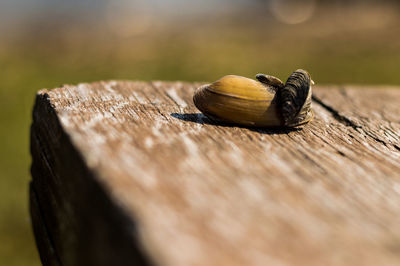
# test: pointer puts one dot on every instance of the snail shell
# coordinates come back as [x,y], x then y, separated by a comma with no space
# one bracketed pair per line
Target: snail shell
[239,100]
[266,102]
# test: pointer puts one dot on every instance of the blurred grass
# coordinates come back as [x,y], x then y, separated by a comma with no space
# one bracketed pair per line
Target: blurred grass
[332,47]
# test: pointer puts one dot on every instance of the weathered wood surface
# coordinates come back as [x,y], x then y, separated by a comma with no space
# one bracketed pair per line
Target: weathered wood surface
[129,173]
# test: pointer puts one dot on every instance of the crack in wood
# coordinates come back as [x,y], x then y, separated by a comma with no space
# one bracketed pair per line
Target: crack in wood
[336,114]
[348,122]
[381,141]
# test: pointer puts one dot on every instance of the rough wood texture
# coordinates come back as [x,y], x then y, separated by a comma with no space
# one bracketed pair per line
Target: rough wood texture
[129,173]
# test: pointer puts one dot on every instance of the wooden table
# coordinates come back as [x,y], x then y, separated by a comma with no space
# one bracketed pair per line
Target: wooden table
[130,173]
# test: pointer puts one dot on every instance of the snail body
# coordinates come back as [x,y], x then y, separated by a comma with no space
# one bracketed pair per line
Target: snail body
[265,102]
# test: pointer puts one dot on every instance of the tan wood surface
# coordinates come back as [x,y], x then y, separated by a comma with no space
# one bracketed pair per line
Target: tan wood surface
[130,173]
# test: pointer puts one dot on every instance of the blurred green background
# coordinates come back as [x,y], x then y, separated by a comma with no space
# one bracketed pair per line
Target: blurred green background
[46,43]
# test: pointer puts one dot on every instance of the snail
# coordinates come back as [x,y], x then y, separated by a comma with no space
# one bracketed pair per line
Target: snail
[265,102]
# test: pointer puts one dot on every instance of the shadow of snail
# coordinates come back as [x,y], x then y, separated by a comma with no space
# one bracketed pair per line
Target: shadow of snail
[200,118]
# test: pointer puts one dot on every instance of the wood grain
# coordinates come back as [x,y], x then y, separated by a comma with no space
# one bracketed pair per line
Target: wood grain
[132,173]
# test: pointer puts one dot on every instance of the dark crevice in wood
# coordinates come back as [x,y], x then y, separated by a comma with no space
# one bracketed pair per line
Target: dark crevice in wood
[381,141]
[340,118]
[347,122]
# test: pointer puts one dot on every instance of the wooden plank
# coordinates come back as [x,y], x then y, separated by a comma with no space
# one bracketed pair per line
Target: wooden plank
[188,191]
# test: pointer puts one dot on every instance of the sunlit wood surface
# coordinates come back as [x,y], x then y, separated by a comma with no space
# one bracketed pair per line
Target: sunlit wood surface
[130,173]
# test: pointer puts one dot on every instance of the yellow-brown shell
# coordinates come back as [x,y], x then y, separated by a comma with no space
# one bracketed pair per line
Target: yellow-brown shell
[263,103]
[239,100]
